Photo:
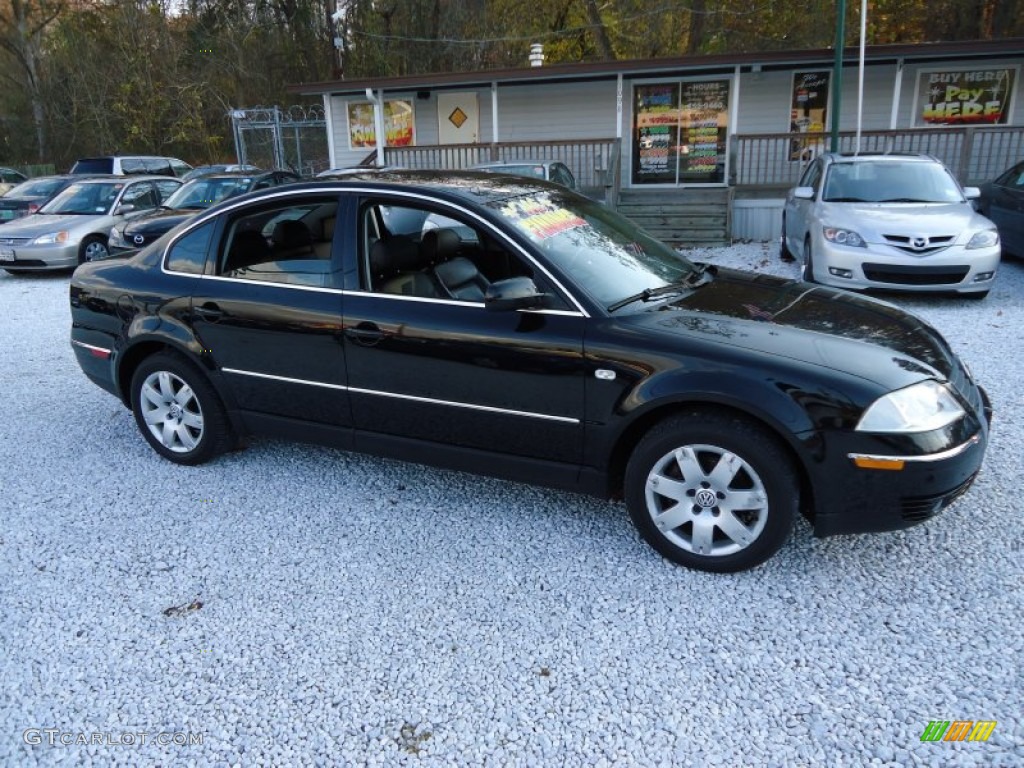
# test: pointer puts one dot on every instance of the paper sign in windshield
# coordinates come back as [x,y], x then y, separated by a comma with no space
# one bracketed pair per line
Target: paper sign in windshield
[541,219]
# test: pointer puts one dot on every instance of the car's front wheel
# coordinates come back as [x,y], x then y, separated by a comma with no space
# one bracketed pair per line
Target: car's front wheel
[178,411]
[712,491]
[91,249]
[808,275]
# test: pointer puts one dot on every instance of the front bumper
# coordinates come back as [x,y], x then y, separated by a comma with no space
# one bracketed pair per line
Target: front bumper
[904,491]
[37,258]
[884,267]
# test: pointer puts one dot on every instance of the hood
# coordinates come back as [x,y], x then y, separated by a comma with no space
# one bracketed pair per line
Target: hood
[41,223]
[159,221]
[822,326]
[873,221]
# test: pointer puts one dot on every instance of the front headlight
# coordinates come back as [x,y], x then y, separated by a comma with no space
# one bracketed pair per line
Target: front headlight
[51,237]
[984,239]
[844,237]
[116,238]
[920,407]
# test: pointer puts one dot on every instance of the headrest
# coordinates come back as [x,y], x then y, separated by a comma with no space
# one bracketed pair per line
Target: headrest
[291,234]
[396,254]
[439,245]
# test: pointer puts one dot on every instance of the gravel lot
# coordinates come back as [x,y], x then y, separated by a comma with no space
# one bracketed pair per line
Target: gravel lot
[292,605]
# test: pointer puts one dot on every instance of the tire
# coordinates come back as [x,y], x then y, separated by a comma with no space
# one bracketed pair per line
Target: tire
[784,253]
[92,248]
[808,273]
[733,483]
[178,411]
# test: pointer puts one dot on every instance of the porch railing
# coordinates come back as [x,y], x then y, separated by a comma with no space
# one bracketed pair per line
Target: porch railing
[974,154]
[594,162]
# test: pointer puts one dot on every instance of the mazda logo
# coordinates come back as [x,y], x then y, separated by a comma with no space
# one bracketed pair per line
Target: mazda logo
[920,242]
[139,239]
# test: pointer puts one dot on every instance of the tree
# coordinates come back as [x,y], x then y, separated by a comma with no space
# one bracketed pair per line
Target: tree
[22,25]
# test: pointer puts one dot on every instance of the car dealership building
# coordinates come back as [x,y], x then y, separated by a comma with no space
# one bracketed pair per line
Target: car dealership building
[697,149]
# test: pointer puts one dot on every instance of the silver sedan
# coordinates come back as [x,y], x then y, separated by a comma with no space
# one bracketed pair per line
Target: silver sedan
[72,228]
[889,221]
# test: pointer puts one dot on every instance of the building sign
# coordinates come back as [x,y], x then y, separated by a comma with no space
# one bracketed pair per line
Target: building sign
[982,96]
[656,138]
[808,112]
[680,132]
[399,124]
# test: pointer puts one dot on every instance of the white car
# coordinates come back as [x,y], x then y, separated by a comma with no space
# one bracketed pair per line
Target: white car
[890,221]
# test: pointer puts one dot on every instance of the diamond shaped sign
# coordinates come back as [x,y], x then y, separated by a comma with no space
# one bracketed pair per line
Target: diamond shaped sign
[458,117]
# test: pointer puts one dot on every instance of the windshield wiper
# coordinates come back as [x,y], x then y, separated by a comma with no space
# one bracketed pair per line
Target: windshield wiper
[702,274]
[905,200]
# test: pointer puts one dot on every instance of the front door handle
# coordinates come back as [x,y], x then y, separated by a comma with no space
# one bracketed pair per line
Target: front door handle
[209,311]
[366,334]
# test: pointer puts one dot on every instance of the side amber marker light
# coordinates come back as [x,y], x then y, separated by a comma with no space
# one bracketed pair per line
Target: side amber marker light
[871,462]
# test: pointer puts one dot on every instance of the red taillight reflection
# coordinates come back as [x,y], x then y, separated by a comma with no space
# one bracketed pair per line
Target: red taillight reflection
[32,208]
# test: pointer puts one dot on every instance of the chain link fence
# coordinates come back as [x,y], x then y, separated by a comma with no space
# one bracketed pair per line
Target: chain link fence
[273,137]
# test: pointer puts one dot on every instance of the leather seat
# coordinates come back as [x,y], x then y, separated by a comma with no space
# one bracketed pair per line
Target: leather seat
[461,280]
[396,265]
[292,239]
[439,245]
[247,248]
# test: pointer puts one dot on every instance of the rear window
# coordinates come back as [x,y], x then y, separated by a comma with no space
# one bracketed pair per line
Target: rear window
[94,165]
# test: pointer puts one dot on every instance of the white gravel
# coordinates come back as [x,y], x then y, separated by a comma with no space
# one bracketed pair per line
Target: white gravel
[293,605]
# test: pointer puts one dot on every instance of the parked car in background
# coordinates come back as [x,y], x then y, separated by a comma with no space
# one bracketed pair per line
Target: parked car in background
[1002,200]
[559,344]
[29,196]
[192,197]
[10,178]
[205,170]
[72,228]
[125,165]
[895,221]
[535,169]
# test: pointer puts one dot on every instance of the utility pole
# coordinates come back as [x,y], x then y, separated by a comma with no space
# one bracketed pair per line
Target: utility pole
[837,73]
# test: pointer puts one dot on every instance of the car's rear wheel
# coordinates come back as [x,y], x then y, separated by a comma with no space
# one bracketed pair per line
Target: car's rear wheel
[712,491]
[178,411]
[808,273]
[91,249]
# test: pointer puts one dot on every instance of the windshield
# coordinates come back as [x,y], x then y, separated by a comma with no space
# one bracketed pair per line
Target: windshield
[82,198]
[36,188]
[890,181]
[202,193]
[604,253]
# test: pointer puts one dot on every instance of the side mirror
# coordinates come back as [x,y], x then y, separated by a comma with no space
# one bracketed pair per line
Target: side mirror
[121,210]
[972,193]
[513,293]
[804,193]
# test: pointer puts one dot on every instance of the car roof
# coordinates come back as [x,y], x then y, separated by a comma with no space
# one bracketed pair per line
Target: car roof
[88,178]
[479,187]
[879,157]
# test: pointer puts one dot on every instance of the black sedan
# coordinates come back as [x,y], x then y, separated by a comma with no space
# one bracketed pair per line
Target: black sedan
[29,196]
[512,327]
[193,196]
[1002,200]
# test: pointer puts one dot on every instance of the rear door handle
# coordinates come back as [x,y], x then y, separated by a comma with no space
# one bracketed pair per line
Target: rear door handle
[209,311]
[365,333]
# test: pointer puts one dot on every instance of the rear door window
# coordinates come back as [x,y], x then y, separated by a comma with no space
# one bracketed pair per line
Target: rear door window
[94,165]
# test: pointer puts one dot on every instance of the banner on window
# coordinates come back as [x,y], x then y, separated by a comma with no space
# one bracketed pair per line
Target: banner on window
[982,96]
[808,112]
[399,124]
